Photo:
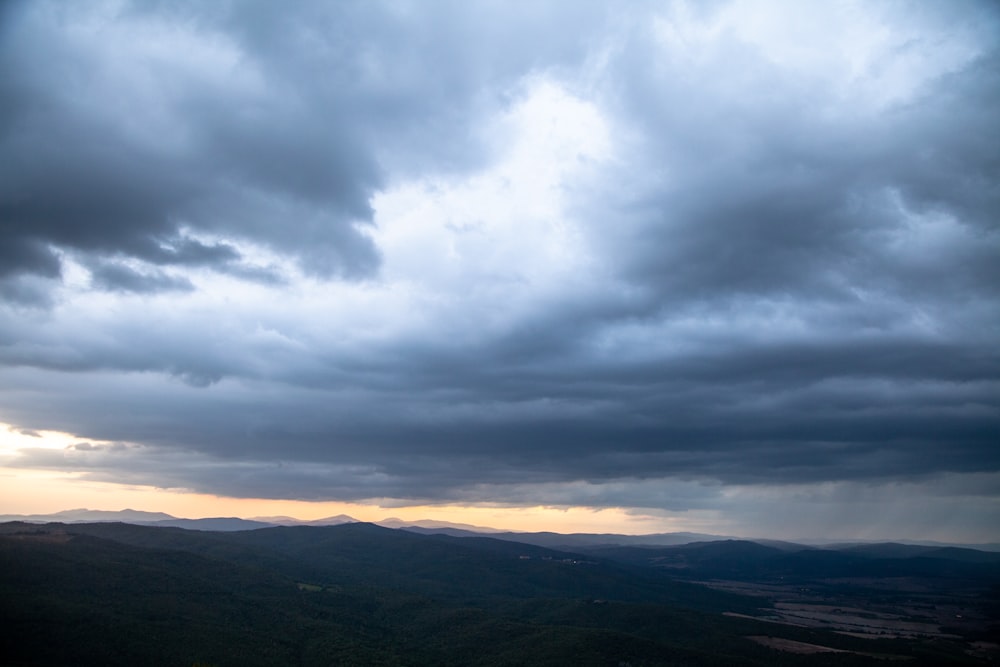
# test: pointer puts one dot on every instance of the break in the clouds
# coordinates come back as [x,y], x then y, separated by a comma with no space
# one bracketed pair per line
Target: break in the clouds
[664,255]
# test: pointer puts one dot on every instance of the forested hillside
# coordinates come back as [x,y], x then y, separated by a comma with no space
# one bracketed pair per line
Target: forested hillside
[357,594]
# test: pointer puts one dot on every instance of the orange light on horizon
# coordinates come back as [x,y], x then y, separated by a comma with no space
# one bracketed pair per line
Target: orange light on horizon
[25,490]
[46,492]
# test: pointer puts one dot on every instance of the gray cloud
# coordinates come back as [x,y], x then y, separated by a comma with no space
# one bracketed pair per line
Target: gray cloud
[112,277]
[792,272]
[125,126]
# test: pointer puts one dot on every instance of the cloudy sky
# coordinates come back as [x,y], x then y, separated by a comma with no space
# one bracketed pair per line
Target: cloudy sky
[729,266]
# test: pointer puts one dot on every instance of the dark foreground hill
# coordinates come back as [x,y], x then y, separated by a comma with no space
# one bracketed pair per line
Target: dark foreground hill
[357,594]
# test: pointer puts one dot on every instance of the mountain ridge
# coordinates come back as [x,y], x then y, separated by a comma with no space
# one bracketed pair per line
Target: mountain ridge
[548,539]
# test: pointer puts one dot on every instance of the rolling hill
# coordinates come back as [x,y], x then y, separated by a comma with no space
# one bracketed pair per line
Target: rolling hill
[355,593]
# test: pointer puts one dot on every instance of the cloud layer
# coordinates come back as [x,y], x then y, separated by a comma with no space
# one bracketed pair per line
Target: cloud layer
[479,252]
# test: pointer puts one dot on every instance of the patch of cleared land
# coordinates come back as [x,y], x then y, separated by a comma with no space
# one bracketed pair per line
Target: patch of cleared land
[886,608]
[792,646]
[805,648]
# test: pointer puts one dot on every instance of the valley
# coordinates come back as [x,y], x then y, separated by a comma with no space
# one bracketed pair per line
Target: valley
[359,594]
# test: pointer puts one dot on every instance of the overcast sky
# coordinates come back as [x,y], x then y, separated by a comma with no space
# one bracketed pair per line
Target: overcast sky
[727,259]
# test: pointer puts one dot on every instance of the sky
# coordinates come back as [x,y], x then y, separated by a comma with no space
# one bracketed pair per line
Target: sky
[731,267]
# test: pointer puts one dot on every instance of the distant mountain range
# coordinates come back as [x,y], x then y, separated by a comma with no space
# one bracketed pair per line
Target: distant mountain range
[570,541]
[291,521]
[549,540]
[85,515]
[426,526]
[141,518]
[437,526]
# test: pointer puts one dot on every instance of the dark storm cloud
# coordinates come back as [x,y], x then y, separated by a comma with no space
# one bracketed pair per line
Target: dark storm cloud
[795,283]
[76,177]
[126,127]
[773,196]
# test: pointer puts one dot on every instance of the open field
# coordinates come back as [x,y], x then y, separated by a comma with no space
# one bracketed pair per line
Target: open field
[902,608]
